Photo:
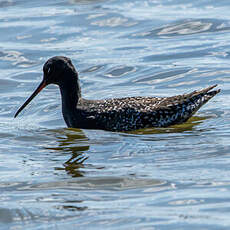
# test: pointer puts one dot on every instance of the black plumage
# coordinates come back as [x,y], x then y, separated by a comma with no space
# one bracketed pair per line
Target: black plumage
[117,114]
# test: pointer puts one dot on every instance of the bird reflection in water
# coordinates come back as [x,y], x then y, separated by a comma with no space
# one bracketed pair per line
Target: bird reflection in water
[75,142]
[185,127]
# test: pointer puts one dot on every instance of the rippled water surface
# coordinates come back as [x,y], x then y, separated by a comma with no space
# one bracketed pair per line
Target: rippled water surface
[52,177]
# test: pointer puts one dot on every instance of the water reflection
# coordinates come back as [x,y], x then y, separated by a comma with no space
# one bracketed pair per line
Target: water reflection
[71,208]
[73,165]
[75,142]
[185,127]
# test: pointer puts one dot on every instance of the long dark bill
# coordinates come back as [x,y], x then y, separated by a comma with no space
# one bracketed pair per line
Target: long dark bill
[40,87]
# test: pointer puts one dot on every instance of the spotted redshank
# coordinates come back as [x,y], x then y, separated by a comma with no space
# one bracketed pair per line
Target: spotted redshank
[117,114]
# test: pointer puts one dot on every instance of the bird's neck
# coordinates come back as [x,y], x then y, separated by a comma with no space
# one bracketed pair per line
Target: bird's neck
[70,94]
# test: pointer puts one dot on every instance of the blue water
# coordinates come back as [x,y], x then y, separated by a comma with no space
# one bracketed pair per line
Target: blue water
[52,177]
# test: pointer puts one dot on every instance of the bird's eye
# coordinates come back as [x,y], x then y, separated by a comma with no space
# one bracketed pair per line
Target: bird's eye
[49,70]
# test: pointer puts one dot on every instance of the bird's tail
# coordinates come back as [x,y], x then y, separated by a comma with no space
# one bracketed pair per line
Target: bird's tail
[200,97]
[190,103]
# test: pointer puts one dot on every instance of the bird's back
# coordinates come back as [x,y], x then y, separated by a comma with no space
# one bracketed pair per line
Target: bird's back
[131,113]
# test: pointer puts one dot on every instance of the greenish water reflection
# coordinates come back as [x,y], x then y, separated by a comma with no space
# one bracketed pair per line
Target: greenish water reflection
[75,142]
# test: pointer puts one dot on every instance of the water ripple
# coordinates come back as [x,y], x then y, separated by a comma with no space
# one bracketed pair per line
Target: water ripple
[16,58]
[187,27]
